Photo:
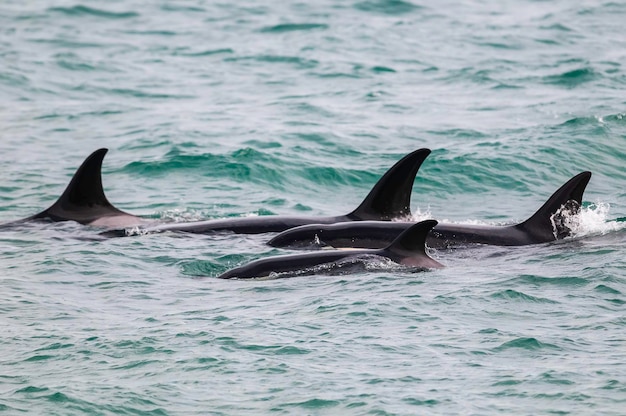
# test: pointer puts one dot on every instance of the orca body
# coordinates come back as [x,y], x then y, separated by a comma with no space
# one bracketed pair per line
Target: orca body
[390,198]
[84,201]
[547,224]
[408,249]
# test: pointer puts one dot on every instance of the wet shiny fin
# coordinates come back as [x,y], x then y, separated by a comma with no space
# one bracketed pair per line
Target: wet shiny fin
[83,200]
[391,196]
[409,248]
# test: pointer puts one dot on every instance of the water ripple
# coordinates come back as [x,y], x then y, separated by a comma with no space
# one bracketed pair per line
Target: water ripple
[80,10]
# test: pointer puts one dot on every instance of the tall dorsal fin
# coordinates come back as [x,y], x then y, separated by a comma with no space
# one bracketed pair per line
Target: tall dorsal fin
[547,224]
[391,196]
[83,200]
[409,248]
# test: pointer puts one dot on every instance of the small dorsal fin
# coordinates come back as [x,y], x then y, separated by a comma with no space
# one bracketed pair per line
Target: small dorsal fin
[409,248]
[83,200]
[547,224]
[391,196]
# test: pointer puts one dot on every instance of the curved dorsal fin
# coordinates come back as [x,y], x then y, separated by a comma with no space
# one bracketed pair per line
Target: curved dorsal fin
[391,196]
[409,248]
[83,200]
[547,224]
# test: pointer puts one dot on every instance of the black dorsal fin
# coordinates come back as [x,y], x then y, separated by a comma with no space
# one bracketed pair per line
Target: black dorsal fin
[547,224]
[83,200]
[391,196]
[409,248]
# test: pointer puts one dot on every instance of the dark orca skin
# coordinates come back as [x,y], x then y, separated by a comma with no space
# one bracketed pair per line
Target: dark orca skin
[407,249]
[390,198]
[547,224]
[84,201]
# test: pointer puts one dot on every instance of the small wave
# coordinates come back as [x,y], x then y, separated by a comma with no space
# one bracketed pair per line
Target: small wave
[40,357]
[206,52]
[607,289]
[559,281]
[296,61]
[553,377]
[390,7]
[138,93]
[526,344]
[182,8]
[510,294]
[241,166]
[313,404]
[32,389]
[291,27]
[74,65]
[595,120]
[382,69]
[215,267]
[90,11]
[572,78]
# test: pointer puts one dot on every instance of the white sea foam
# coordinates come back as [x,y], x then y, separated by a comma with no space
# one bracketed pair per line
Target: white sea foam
[592,220]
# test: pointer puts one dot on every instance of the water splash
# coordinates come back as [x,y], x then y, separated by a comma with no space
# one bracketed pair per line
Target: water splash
[135,231]
[561,218]
[418,216]
[592,220]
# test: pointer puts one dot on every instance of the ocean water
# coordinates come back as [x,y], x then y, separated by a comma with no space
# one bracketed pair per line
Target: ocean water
[218,109]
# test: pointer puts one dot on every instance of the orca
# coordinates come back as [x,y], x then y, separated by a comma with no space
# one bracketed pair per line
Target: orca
[408,249]
[547,224]
[390,198]
[84,201]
